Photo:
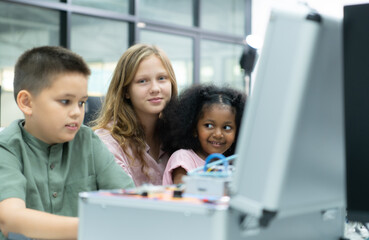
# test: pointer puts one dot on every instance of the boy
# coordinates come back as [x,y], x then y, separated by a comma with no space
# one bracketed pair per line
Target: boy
[49,157]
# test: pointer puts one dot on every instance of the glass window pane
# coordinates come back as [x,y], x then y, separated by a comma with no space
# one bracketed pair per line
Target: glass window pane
[121,6]
[219,64]
[177,12]
[179,51]
[21,28]
[101,43]
[224,16]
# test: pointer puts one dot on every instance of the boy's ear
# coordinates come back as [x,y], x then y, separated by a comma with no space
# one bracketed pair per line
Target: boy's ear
[24,101]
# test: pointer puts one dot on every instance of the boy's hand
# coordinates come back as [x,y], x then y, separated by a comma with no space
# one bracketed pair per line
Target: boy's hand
[16,218]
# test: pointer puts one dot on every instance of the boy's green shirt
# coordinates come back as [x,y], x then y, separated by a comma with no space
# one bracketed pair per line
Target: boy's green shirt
[49,177]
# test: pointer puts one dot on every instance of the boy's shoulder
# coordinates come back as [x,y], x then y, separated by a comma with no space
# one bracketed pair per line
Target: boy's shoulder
[85,132]
[11,133]
[11,140]
[85,136]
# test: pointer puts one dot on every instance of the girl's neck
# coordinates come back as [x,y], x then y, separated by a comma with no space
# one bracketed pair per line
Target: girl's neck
[203,155]
[149,124]
[151,137]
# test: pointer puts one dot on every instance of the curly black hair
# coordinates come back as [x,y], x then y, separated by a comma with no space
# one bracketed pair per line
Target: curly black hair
[181,115]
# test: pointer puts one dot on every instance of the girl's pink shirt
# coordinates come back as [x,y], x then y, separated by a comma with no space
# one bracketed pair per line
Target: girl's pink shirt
[134,168]
[184,158]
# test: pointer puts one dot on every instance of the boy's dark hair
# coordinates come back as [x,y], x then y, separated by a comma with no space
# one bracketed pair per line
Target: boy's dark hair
[181,115]
[37,67]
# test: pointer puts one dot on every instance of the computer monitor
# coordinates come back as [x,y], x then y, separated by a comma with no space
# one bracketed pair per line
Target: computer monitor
[290,153]
[356,78]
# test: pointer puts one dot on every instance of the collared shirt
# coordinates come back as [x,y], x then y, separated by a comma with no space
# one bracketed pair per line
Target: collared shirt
[154,169]
[49,177]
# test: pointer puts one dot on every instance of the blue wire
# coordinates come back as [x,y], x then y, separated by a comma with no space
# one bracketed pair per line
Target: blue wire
[227,159]
[215,155]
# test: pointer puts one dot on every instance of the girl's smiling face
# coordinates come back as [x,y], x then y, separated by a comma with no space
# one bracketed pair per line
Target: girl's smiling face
[151,88]
[216,129]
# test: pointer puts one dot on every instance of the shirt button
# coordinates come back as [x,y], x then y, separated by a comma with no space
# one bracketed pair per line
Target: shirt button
[52,166]
[55,194]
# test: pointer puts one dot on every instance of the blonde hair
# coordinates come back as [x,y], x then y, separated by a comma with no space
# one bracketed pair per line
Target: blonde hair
[117,113]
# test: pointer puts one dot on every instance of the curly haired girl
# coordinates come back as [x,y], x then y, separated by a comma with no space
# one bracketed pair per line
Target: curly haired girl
[204,120]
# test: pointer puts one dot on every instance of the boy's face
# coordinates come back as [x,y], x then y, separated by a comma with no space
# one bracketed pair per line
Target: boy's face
[57,112]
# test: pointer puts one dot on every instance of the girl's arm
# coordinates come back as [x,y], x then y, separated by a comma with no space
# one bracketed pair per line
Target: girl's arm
[177,175]
[119,155]
[16,218]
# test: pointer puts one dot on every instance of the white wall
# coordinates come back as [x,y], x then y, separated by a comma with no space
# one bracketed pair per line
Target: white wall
[261,9]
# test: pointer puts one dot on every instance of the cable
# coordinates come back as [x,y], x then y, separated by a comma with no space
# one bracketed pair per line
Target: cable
[207,165]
